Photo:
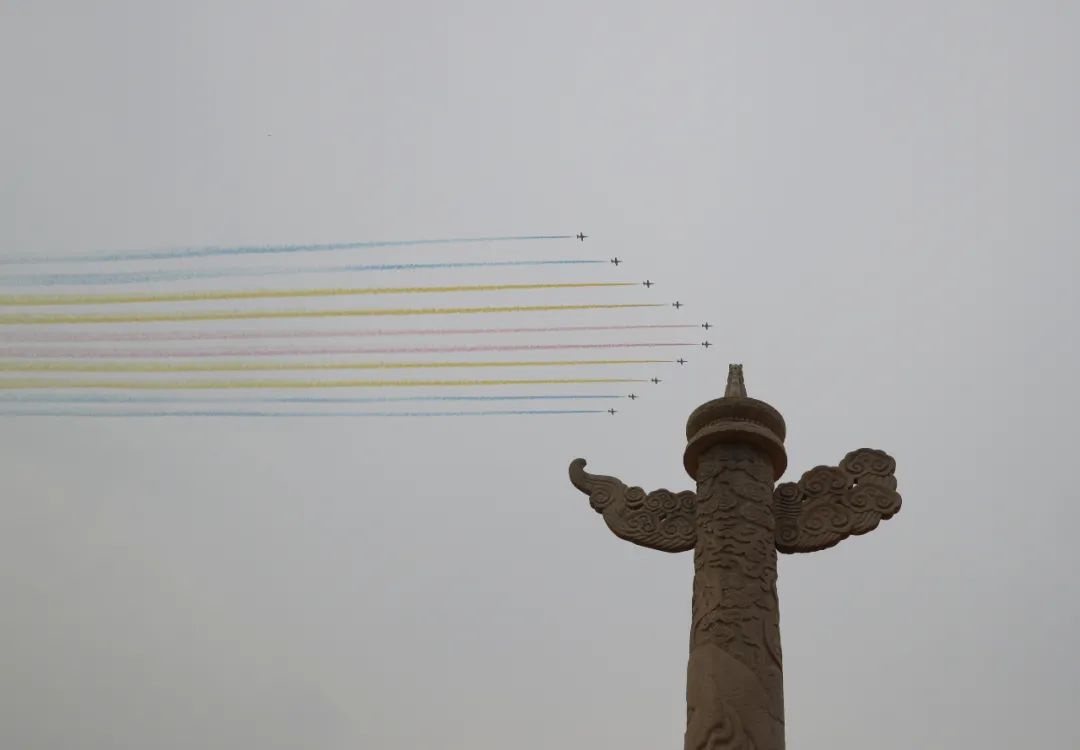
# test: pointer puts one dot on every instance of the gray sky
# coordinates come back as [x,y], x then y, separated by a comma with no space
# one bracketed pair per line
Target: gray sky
[874,202]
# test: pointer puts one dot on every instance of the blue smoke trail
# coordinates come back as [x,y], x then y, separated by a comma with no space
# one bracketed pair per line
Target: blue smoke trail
[125,399]
[211,413]
[205,252]
[146,277]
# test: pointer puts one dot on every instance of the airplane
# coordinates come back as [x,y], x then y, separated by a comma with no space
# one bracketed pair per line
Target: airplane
[656,380]
[681,361]
[647,284]
[632,396]
[706,344]
[611,411]
[581,236]
[616,260]
[706,326]
[676,305]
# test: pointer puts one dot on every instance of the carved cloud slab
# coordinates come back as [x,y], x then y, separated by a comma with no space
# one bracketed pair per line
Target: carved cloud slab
[829,503]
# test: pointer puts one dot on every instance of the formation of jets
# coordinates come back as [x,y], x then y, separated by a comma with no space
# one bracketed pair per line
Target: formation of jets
[648,283]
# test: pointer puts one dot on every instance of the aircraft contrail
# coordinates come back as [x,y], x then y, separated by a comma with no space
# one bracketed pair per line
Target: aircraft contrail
[222,413]
[91,353]
[49,300]
[63,366]
[206,252]
[177,385]
[40,381]
[60,318]
[80,337]
[21,397]
[150,277]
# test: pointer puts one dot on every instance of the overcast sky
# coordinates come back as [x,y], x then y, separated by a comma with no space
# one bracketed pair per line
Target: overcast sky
[875,204]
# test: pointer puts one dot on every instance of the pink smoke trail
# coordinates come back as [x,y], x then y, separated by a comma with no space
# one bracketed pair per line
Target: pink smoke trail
[78,337]
[288,352]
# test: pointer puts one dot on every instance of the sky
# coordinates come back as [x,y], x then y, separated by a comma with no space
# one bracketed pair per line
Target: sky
[873,203]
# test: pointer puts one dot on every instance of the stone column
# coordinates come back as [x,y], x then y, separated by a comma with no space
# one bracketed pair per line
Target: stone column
[734,691]
[736,522]
[734,688]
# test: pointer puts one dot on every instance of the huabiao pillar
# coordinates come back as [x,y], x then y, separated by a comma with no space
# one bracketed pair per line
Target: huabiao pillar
[736,522]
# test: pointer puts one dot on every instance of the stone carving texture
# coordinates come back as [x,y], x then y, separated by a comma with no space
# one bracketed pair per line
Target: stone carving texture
[830,503]
[735,679]
[660,520]
[736,523]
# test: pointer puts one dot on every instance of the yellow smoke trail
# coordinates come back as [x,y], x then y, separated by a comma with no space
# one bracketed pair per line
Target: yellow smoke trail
[64,366]
[162,385]
[61,318]
[9,300]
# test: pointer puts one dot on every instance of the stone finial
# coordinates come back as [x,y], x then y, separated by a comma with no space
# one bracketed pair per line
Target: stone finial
[736,387]
[735,418]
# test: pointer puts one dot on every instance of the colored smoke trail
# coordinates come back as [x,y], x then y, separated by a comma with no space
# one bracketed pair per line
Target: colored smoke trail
[292,352]
[109,398]
[186,385]
[30,300]
[133,367]
[150,277]
[207,252]
[117,336]
[59,318]
[215,413]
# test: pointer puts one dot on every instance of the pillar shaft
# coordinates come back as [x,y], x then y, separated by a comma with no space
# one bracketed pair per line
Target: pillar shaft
[735,522]
[734,690]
